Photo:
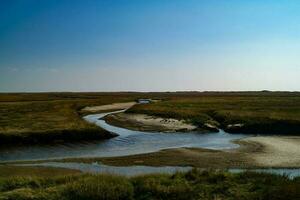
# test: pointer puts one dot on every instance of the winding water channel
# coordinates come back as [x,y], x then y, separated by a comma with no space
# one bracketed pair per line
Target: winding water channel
[127,143]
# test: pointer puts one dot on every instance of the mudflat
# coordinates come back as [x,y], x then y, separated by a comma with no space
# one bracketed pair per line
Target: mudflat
[254,152]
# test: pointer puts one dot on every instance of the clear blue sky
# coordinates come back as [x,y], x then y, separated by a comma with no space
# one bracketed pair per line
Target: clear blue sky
[149,45]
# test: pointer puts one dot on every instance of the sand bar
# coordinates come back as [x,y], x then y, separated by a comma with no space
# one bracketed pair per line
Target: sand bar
[142,122]
[114,106]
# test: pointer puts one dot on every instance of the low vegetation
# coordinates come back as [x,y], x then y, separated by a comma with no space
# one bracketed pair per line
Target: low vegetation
[194,184]
[10,171]
[51,117]
[56,117]
[248,112]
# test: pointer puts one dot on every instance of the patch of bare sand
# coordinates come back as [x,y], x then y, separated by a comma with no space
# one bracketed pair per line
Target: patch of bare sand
[276,151]
[114,106]
[144,122]
[254,152]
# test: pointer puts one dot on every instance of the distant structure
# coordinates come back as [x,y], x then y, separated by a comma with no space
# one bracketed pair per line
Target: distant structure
[143,101]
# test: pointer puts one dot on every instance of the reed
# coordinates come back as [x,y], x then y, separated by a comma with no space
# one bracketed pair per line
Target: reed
[195,184]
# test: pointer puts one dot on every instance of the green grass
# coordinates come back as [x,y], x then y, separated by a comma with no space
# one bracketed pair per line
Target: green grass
[194,184]
[264,112]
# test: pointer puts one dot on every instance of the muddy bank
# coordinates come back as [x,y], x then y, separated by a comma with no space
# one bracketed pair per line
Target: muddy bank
[51,123]
[55,136]
[142,122]
[254,152]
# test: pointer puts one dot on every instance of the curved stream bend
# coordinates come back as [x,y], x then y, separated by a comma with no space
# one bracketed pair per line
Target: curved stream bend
[127,143]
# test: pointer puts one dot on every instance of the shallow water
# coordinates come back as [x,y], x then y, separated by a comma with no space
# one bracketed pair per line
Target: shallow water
[127,143]
[101,168]
[138,170]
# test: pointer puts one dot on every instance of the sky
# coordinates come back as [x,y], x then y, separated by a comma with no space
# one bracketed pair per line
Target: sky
[143,45]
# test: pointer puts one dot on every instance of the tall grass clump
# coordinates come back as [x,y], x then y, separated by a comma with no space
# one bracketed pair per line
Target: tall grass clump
[162,187]
[106,187]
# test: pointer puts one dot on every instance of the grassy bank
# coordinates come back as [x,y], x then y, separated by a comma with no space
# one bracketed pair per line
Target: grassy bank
[195,184]
[248,112]
[10,171]
[51,117]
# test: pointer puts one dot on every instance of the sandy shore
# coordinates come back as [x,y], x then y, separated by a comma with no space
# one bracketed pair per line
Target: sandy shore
[276,151]
[143,122]
[254,152]
[109,107]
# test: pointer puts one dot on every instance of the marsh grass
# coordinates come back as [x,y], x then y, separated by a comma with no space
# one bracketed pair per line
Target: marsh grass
[99,187]
[51,117]
[10,171]
[276,113]
[195,184]
[57,117]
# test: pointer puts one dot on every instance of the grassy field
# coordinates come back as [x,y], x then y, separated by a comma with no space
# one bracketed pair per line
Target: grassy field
[56,117]
[247,112]
[194,184]
[49,117]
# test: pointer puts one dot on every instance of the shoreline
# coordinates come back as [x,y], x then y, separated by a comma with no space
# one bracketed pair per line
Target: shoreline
[90,133]
[251,154]
[155,123]
[86,132]
[254,152]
